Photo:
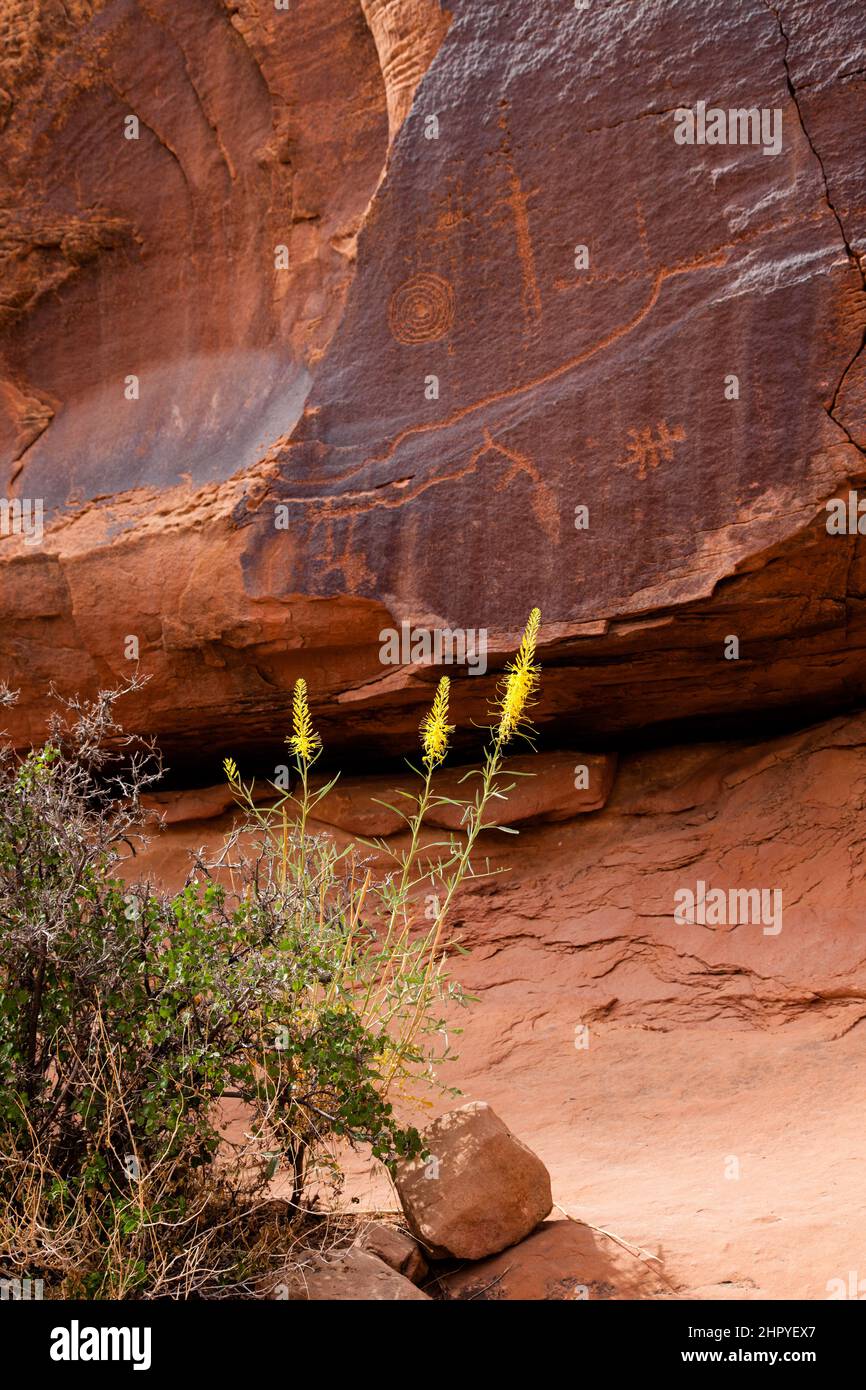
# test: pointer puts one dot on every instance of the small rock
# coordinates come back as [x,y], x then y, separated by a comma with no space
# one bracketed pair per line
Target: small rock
[345,1276]
[398,1250]
[480,1190]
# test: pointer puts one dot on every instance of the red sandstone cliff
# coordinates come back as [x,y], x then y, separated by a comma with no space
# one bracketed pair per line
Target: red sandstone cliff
[324,209]
[408,258]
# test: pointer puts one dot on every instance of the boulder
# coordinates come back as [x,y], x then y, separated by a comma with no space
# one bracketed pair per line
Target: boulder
[395,1248]
[563,1261]
[479,1190]
[347,1276]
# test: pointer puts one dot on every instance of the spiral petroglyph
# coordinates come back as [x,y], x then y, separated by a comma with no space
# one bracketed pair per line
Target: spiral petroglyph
[422,309]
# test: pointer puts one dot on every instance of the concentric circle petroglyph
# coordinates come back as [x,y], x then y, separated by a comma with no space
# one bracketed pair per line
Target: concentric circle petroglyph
[422,309]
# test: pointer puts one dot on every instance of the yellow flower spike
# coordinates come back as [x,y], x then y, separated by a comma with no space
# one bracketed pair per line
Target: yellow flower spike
[522,676]
[303,741]
[435,727]
[230,768]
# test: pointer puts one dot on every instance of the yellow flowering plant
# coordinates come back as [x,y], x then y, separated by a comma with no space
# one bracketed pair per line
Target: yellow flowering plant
[358,927]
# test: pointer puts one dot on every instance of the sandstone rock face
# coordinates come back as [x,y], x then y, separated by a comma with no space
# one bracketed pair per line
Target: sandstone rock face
[395,1249]
[407,35]
[348,1276]
[480,1190]
[291,481]
[157,158]
[543,787]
